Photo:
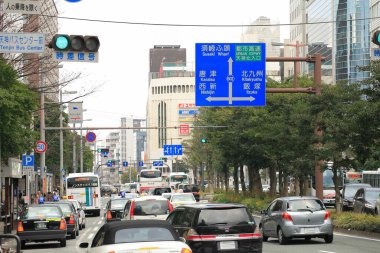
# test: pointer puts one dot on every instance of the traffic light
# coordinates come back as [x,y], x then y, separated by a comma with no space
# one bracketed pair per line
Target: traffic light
[79,43]
[376,38]
[104,151]
[203,140]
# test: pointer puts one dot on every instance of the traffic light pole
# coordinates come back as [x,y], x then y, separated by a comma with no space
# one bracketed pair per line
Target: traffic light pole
[42,128]
[61,144]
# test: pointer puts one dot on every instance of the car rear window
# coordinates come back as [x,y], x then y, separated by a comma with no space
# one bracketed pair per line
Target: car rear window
[151,207]
[38,212]
[184,197]
[146,234]
[118,203]
[305,205]
[230,216]
[66,209]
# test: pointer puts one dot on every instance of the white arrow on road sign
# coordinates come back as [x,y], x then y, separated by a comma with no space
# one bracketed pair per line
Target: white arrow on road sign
[250,99]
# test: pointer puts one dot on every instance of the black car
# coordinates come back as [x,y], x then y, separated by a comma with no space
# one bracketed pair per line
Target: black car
[106,190]
[217,227]
[365,200]
[348,193]
[41,223]
[71,217]
[116,209]
[159,190]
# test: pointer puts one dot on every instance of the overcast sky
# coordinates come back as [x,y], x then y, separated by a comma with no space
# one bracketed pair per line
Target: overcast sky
[122,72]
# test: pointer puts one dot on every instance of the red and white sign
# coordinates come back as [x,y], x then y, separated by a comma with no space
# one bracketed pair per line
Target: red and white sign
[41,147]
[186,105]
[184,129]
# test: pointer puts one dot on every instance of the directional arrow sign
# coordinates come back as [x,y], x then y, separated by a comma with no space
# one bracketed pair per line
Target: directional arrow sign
[230,74]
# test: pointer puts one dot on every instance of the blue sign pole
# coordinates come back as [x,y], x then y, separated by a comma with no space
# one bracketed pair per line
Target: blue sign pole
[230,74]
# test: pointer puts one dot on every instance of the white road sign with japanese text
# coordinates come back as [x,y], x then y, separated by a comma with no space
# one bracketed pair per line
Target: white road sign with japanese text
[22,6]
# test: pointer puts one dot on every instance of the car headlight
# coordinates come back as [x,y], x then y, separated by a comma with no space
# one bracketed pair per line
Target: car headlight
[368,205]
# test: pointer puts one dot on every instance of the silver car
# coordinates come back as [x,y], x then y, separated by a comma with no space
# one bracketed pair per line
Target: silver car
[81,214]
[296,217]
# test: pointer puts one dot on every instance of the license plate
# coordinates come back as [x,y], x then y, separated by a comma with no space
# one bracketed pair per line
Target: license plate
[227,245]
[40,226]
[309,230]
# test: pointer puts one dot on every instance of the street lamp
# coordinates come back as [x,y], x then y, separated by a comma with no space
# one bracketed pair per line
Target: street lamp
[61,169]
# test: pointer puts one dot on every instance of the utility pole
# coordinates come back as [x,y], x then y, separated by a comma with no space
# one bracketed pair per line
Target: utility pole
[81,148]
[74,152]
[61,169]
[42,128]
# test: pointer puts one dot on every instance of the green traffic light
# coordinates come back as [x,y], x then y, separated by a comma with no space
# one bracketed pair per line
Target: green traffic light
[378,38]
[62,42]
[203,140]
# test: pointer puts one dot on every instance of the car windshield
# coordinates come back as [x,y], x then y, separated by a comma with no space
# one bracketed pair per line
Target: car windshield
[372,195]
[184,197]
[118,203]
[151,207]
[305,205]
[145,234]
[231,216]
[350,191]
[42,212]
[65,209]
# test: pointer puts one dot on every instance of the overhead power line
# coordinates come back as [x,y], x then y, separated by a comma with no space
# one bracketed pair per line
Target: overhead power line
[200,25]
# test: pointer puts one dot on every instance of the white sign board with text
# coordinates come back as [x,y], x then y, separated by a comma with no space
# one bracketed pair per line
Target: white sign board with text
[22,6]
[75,112]
[71,56]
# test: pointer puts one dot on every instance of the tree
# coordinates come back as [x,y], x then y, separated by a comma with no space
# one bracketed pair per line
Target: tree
[125,177]
[17,103]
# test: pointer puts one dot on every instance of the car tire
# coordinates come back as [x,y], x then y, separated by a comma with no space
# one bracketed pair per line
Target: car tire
[23,244]
[77,232]
[73,235]
[265,238]
[329,238]
[80,227]
[62,242]
[282,239]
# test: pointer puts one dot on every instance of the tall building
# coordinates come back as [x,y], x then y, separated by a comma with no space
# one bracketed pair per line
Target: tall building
[139,135]
[127,142]
[171,103]
[374,6]
[297,14]
[319,35]
[268,35]
[352,39]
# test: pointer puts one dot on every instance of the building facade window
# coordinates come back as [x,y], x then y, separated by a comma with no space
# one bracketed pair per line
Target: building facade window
[161,123]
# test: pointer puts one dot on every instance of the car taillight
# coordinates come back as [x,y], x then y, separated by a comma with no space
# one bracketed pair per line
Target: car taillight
[170,206]
[109,215]
[71,197]
[20,227]
[62,225]
[95,196]
[287,216]
[72,220]
[184,250]
[250,235]
[327,215]
[132,210]
[192,235]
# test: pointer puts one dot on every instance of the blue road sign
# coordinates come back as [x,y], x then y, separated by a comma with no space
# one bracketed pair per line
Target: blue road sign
[109,164]
[158,163]
[28,160]
[141,164]
[125,164]
[172,150]
[230,74]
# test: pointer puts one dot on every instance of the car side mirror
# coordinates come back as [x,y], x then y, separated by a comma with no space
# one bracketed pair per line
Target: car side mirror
[182,239]
[359,198]
[84,245]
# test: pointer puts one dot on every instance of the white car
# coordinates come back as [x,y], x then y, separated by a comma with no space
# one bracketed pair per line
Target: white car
[178,199]
[81,213]
[149,207]
[143,236]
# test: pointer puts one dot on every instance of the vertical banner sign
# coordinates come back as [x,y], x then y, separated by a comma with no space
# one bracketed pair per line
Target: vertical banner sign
[76,112]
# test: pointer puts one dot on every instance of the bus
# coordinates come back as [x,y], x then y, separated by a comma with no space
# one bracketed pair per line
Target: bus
[150,179]
[372,177]
[353,177]
[178,178]
[85,187]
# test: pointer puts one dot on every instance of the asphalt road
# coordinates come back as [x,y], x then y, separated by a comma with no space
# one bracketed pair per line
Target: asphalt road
[343,243]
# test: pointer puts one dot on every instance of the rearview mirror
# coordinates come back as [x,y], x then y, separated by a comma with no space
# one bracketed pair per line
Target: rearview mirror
[10,243]
[83,245]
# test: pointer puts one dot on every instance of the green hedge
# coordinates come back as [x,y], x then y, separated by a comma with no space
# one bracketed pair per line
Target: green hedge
[355,221]
[254,204]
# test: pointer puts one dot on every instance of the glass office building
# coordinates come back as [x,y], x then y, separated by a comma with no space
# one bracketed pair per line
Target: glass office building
[352,39]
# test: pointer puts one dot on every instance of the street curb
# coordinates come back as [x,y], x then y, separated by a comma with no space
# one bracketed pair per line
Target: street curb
[357,233]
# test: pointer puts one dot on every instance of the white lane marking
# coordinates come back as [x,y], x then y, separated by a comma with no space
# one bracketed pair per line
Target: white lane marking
[89,237]
[324,251]
[357,237]
[99,222]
